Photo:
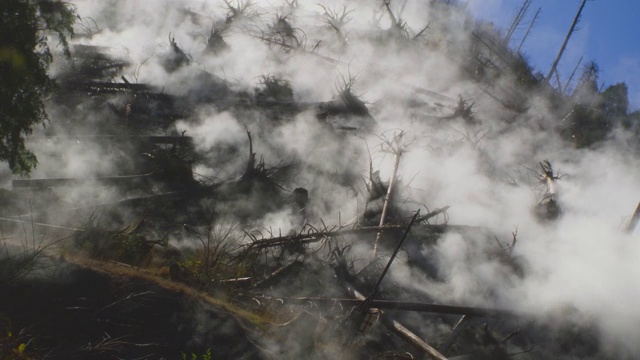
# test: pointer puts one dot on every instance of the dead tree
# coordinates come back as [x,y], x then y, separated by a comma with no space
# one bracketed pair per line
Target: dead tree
[468,311]
[396,147]
[566,41]
[237,11]
[524,38]
[257,170]
[516,21]
[400,329]
[573,73]
[215,42]
[176,58]
[548,208]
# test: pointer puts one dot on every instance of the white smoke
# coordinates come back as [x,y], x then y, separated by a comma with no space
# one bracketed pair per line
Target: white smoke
[483,170]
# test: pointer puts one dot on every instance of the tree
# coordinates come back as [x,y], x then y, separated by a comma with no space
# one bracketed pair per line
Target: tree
[25,57]
[615,101]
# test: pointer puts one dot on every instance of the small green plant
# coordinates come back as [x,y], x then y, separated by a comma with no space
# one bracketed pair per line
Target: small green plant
[127,245]
[14,346]
[132,248]
[217,240]
[208,355]
[20,261]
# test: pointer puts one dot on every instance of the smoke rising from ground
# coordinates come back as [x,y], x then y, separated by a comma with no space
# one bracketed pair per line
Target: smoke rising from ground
[484,168]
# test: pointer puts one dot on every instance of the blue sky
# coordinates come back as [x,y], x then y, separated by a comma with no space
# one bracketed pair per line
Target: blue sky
[609,34]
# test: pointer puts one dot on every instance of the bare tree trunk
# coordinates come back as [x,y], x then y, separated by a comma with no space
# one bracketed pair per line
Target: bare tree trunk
[558,83]
[517,20]
[524,38]
[566,41]
[573,73]
[387,198]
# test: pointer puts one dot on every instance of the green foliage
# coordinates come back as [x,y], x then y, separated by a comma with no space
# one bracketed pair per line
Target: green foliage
[24,60]
[127,246]
[586,126]
[206,356]
[615,100]
[591,121]
[14,345]
[132,248]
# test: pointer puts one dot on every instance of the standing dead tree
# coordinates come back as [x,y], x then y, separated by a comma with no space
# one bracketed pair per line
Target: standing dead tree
[548,207]
[566,41]
[526,34]
[396,147]
[548,178]
[573,73]
[516,21]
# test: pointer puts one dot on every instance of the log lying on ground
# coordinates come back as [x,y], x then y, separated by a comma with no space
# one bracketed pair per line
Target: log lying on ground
[277,273]
[315,236]
[401,305]
[38,224]
[157,140]
[134,201]
[397,327]
[55,182]
[106,87]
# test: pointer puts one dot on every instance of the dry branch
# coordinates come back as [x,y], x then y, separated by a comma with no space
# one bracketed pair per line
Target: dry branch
[387,199]
[297,49]
[397,327]
[276,273]
[460,326]
[633,222]
[393,256]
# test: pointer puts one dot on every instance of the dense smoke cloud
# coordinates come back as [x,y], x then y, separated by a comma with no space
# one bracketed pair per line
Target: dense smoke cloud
[485,168]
